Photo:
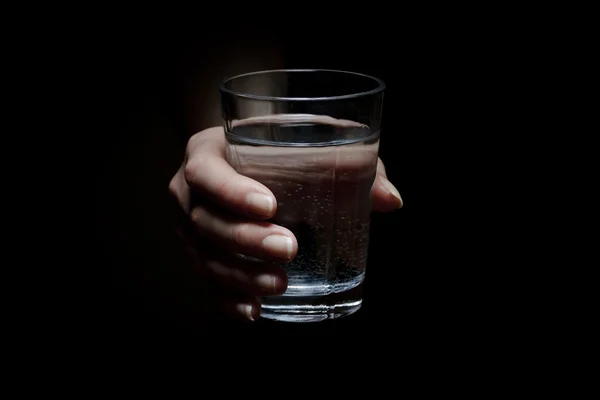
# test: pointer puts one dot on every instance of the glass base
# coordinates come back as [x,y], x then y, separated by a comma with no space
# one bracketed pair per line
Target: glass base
[312,308]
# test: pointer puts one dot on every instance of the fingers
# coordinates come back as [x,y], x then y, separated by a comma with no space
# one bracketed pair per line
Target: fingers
[259,239]
[207,172]
[384,196]
[235,284]
[247,309]
[253,278]
[236,306]
[231,284]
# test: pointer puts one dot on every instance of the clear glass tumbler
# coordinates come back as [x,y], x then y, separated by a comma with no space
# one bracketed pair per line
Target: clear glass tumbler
[312,138]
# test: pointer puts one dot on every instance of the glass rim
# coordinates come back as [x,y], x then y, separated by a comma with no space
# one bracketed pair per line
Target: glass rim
[380,86]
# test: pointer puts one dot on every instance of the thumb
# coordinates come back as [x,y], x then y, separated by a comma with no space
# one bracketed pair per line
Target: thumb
[384,195]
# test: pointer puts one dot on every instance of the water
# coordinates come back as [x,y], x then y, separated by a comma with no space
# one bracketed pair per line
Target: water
[321,172]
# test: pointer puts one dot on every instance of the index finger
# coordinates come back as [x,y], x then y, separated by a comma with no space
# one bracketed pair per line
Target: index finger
[208,173]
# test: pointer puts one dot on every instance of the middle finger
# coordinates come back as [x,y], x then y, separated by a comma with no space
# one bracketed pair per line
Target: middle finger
[260,239]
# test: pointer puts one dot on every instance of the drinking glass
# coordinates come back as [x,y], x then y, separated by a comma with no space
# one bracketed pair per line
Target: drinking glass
[312,138]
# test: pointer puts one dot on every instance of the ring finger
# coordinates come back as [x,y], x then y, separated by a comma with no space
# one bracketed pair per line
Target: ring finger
[254,278]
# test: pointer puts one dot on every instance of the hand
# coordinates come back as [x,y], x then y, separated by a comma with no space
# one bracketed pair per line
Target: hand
[227,215]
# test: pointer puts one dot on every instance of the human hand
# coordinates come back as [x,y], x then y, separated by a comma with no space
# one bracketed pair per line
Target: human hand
[228,215]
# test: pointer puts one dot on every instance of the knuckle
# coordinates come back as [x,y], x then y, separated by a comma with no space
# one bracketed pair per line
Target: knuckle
[179,192]
[189,171]
[239,234]
[240,275]
[192,167]
[193,144]
[228,189]
[173,188]
[174,184]
[223,189]
[197,216]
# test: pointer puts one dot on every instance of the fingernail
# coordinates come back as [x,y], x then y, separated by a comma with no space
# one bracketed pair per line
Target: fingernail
[266,283]
[245,310]
[280,245]
[388,185]
[260,204]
